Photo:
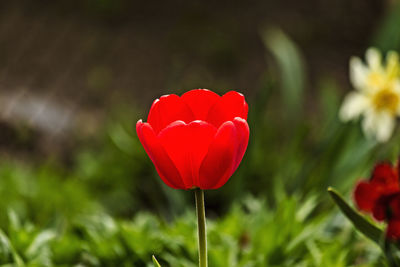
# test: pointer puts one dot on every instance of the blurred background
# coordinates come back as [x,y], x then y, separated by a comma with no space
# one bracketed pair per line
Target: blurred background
[76,186]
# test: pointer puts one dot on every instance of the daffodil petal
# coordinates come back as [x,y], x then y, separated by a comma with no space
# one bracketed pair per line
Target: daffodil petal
[396,88]
[353,106]
[392,65]
[378,125]
[385,127]
[369,123]
[374,59]
[358,73]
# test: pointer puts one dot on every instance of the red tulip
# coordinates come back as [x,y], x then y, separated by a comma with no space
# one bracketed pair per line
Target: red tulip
[197,140]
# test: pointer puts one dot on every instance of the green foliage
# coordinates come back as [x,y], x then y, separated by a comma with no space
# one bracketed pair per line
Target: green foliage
[251,234]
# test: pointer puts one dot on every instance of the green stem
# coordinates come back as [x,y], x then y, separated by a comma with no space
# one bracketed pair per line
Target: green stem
[201,225]
[389,250]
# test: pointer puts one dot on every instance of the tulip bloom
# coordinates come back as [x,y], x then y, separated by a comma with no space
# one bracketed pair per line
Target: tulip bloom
[197,140]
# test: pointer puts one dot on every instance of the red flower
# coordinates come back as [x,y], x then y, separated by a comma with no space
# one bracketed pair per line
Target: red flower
[381,197]
[393,206]
[393,216]
[393,230]
[196,140]
[375,195]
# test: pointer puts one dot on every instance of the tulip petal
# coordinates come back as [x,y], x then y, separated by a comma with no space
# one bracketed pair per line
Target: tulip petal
[365,196]
[229,106]
[164,166]
[243,132]
[167,109]
[200,101]
[217,166]
[187,145]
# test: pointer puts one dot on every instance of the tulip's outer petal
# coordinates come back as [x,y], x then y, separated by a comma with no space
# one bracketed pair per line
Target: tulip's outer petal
[187,145]
[167,109]
[217,166]
[229,106]
[393,230]
[243,133]
[200,101]
[365,196]
[164,166]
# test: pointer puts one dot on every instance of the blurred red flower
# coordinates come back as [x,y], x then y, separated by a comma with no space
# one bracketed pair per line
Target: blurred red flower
[372,196]
[196,140]
[381,197]
[393,230]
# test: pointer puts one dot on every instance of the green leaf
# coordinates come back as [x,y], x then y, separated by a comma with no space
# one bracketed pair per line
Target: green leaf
[364,226]
[40,241]
[6,244]
[291,65]
[156,264]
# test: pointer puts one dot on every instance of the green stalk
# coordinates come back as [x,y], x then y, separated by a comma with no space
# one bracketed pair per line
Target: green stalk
[201,225]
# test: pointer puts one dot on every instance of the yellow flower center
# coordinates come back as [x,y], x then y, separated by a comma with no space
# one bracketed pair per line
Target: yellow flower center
[386,99]
[376,79]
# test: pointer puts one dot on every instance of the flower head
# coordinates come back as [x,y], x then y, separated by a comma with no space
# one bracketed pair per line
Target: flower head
[197,140]
[381,197]
[373,195]
[377,94]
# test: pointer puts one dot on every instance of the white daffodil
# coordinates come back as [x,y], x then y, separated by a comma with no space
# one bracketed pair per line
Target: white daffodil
[377,94]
